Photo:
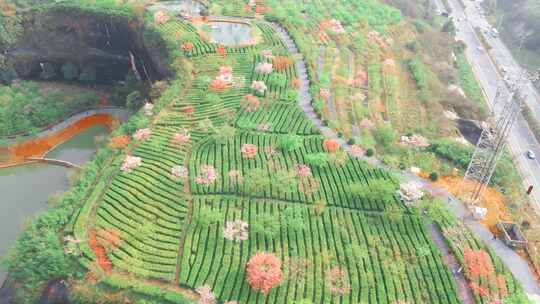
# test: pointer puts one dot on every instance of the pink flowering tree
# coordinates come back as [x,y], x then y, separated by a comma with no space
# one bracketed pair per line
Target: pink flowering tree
[249,151]
[264,271]
[225,70]
[357,151]
[236,231]
[130,163]
[223,80]
[225,74]
[207,176]
[264,68]
[250,103]
[142,134]
[335,26]
[218,85]
[303,170]
[181,137]
[161,17]
[206,295]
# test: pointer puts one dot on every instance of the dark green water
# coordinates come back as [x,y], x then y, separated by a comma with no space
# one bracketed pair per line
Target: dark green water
[24,190]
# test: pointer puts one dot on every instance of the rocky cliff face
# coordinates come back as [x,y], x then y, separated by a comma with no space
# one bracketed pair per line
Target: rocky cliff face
[100,44]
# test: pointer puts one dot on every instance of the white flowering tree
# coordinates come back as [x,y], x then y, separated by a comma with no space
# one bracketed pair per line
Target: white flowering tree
[259,86]
[179,172]
[410,192]
[264,68]
[148,109]
[206,295]
[236,231]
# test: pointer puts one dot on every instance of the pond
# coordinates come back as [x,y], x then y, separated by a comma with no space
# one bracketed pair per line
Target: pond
[182,7]
[230,33]
[25,189]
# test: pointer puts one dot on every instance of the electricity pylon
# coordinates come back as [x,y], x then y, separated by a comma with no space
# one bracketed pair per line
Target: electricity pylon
[490,145]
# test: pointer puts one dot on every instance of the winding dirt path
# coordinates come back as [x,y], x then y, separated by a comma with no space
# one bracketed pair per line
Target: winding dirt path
[464,292]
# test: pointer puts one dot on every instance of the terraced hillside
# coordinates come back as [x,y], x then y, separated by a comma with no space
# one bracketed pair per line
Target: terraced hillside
[222,188]
[221,149]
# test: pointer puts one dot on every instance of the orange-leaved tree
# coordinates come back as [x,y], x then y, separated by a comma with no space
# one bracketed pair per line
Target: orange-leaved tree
[119,142]
[330,145]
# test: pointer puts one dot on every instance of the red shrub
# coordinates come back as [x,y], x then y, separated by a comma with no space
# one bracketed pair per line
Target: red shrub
[119,142]
[100,252]
[478,263]
[479,290]
[111,238]
[221,50]
[501,286]
[296,83]
[187,46]
[260,9]
[188,110]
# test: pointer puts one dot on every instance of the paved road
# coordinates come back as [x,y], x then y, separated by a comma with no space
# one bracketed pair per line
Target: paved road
[502,57]
[521,138]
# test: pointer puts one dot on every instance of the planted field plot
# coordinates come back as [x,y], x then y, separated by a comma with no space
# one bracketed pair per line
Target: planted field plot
[279,117]
[400,266]
[230,168]
[328,182]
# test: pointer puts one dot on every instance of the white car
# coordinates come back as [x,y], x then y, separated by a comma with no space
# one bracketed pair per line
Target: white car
[530,154]
[480,49]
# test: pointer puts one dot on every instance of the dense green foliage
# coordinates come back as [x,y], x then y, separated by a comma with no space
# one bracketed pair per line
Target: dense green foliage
[377,189]
[468,81]
[26,107]
[370,11]
[421,75]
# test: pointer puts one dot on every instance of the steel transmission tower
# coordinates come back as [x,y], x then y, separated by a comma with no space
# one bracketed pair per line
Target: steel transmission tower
[490,145]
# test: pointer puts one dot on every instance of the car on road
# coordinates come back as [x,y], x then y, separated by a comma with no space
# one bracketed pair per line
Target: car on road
[530,154]
[480,49]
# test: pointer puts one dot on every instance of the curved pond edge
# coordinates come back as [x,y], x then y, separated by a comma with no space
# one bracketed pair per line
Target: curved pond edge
[51,138]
